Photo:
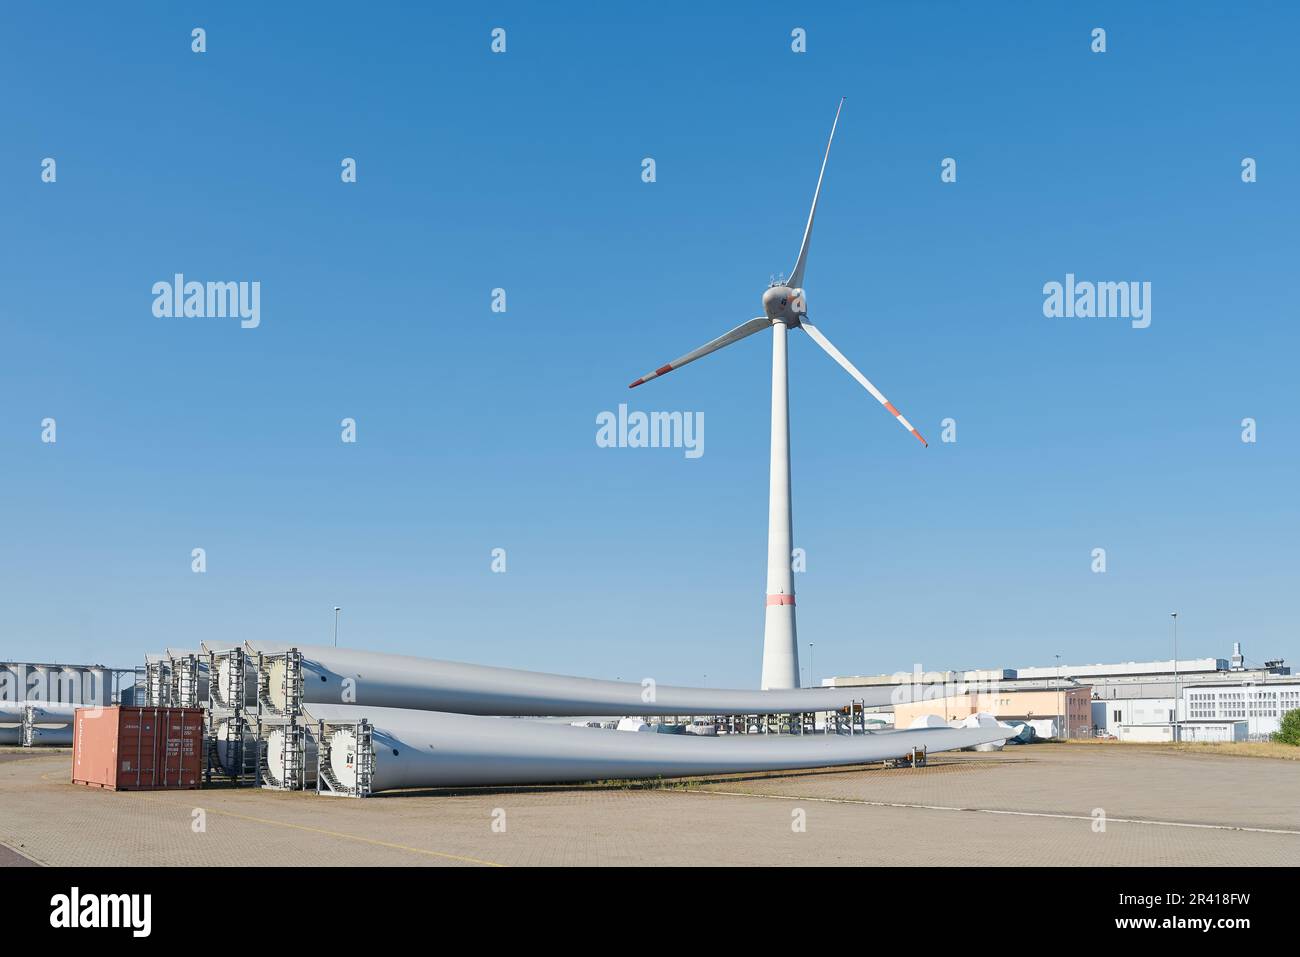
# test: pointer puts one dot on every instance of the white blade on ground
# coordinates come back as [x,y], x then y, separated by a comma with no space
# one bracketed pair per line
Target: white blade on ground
[852,370]
[414,749]
[796,277]
[726,339]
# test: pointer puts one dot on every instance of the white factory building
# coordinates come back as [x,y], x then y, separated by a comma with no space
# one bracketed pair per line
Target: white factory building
[1145,700]
[1195,698]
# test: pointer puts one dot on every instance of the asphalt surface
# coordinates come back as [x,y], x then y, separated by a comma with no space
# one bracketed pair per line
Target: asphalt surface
[1039,804]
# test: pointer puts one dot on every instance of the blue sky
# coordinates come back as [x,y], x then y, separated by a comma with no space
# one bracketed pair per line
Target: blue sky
[476,430]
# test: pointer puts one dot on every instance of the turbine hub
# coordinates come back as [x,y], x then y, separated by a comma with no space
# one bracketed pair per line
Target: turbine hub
[781,303]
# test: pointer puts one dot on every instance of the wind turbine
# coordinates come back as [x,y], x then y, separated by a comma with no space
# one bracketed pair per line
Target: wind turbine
[784,308]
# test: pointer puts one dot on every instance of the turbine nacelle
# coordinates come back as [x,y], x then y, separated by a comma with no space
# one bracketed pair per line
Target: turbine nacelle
[782,303]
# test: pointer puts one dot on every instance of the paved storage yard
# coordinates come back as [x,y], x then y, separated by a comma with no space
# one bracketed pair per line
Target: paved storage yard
[1028,805]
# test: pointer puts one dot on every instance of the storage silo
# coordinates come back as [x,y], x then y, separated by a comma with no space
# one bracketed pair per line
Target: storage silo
[40,679]
[68,684]
[13,682]
[97,687]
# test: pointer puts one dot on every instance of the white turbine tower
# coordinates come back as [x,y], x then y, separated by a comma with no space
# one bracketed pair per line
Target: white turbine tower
[784,308]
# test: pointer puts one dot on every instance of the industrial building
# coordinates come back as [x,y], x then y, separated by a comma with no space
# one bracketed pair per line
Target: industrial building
[1148,694]
[1127,700]
[1068,710]
[1258,705]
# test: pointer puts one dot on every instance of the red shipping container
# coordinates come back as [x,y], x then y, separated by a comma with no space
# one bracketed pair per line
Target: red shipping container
[138,749]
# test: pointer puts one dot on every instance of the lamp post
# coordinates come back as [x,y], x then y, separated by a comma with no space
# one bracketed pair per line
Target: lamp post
[1177,729]
[812,671]
[337,609]
[1060,700]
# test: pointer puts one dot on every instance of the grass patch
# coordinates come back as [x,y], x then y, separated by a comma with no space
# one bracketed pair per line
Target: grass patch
[1241,749]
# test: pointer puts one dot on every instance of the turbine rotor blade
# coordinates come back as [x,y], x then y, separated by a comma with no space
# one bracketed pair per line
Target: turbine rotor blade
[726,339]
[852,370]
[796,277]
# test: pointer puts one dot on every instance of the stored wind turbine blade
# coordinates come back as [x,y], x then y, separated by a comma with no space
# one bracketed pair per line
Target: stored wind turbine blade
[796,277]
[375,679]
[726,339]
[438,749]
[852,370]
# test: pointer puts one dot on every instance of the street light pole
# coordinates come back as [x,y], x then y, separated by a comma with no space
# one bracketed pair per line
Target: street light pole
[337,609]
[1177,728]
[1060,700]
[812,671]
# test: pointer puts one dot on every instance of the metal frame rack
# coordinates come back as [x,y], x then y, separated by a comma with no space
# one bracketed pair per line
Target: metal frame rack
[850,720]
[289,720]
[216,658]
[291,684]
[364,759]
[187,671]
[246,760]
[246,765]
[158,683]
[292,754]
[854,722]
[915,758]
[778,723]
[729,724]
